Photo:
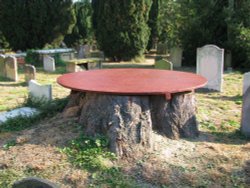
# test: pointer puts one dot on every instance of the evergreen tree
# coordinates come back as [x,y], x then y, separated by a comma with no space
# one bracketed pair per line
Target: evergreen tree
[82,31]
[153,23]
[30,24]
[121,27]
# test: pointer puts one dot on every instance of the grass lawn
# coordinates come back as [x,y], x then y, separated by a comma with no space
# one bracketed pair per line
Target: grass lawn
[54,148]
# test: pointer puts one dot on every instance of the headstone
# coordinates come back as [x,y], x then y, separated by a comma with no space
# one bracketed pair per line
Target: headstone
[245,118]
[2,66]
[246,82]
[210,60]
[40,92]
[84,51]
[34,182]
[162,49]
[30,72]
[24,111]
[163,64]
[49,63]
[176,56]
[11,68]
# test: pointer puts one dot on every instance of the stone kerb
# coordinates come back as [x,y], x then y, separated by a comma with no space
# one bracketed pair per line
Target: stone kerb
[40,92]
[30,72]
[245,118]
[176,56]
[2,66]
[11,68]
[210,63]
[49,63]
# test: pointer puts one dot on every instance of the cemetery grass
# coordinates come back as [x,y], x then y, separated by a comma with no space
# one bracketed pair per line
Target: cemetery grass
[55,148]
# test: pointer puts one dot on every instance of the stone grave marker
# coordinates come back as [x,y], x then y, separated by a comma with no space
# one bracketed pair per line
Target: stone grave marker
[30,72]
[33,182]
[245,117]
[210,62]
[246,82]
[40,92]
[11,68]
[2,66]
[49,63]
[176,56]
[163,64]
[24,111]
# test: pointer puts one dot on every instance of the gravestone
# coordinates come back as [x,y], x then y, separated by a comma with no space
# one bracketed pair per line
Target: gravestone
[163,64]
[2,66]
[11,68]
[210,62]
[246,82]
[49,63]
[34,182]
[245,119]
[40,92]
[24,112]
[84,51]
[30,72]
[94,65]
[176,56]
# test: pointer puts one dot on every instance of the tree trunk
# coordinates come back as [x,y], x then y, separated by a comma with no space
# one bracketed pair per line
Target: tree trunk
[128,120]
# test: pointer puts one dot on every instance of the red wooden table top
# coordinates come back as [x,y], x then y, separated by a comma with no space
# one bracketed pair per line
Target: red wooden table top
[132,81]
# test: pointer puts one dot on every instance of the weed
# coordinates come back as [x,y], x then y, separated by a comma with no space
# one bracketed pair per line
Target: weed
[112,177]
[9,144]
[89,153]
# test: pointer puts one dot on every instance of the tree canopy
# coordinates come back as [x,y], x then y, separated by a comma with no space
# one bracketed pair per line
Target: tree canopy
[30,24]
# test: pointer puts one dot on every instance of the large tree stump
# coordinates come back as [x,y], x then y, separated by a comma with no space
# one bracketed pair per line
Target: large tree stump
[128,120]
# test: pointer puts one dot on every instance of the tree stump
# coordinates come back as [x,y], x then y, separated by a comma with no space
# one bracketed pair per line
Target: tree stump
[128,121]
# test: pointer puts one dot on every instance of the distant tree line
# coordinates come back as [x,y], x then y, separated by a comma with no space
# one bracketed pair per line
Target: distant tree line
[125,29]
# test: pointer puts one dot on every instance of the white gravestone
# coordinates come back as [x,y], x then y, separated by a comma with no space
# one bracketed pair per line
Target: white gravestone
[11,68]
[210,62]
[24,111]
[30,72]
[49,63]
[2,66]
[40,92]
[176,56]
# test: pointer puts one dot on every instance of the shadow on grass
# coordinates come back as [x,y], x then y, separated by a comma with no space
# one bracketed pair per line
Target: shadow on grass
[235,98]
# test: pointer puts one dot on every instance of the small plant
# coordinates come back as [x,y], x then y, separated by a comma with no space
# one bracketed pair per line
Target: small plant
[9,144]
[89,153]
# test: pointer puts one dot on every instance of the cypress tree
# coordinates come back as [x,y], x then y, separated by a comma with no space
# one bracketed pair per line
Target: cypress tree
[30,24]
[82,31]
[121,27]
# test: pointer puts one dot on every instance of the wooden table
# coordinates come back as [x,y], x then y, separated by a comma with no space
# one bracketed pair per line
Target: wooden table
[126,104]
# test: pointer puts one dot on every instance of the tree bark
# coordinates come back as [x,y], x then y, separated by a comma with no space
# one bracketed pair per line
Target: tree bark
[128,121]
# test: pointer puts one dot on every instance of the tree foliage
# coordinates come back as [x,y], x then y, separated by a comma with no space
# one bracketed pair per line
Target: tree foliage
[30,24]
[121,28]
[82,31]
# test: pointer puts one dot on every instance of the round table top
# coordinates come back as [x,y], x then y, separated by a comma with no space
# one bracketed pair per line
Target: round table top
[132,81]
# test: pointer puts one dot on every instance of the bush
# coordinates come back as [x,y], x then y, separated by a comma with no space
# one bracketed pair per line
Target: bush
[33,58]
[121,27]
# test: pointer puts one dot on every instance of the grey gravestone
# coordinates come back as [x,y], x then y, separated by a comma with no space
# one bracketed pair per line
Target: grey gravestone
[94,65]
[84,51]
[245,119]
[2,66]
[33,182]
[246,82]
[210,60]
[11,68]
[163,64]
[176,56]
[40,92]
[49,63]
[30,72]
